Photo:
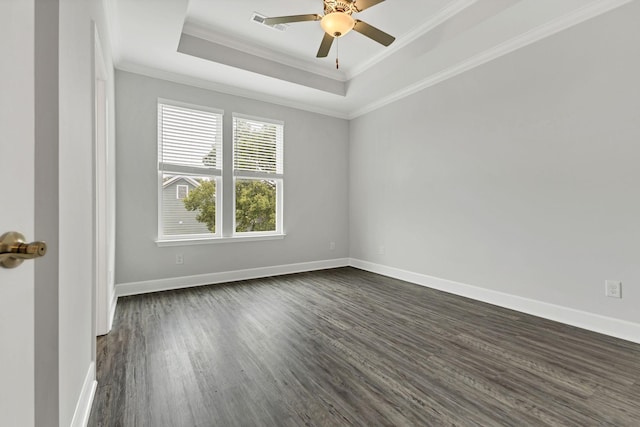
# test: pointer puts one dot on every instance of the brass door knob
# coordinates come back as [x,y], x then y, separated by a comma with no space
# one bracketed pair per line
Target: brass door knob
[14,250]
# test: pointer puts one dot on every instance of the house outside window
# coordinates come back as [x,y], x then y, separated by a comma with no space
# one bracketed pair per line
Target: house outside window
[177,220]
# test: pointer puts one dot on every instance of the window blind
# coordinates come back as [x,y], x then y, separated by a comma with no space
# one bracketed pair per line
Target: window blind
[189,160]
[190,140]
[257,147]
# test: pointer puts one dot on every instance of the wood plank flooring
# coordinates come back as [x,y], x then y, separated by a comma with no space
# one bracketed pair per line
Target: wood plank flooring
[347,347]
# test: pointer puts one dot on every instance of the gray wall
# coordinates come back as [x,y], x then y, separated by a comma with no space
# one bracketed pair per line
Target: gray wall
[315,189]
[519,176]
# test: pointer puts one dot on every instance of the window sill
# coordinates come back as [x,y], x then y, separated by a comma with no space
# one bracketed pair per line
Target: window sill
[215,240]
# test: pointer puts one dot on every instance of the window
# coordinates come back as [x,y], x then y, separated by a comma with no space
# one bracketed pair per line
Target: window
[182,191]
[258,174]
[191,201]
[189,170]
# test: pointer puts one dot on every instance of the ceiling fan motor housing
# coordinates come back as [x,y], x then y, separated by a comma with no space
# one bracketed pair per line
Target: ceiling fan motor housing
[344,6]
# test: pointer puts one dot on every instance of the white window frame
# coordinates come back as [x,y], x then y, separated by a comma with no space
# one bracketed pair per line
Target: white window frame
[178,191]
[213,174]
[225,231]
[278,178]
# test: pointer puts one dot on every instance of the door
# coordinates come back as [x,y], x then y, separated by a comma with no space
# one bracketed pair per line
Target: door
[17,394]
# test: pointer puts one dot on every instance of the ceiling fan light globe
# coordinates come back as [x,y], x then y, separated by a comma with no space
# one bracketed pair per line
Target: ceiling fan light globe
[337,24]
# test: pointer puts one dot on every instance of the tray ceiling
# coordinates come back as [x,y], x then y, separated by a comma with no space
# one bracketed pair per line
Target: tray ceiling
[215,44]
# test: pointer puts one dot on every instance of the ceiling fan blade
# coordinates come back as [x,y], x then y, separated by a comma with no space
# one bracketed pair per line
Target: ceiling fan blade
[373,33]
[292,18]
[366,4]
[325,46]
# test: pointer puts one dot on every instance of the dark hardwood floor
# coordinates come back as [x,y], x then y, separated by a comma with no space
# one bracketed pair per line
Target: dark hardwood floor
[346,347]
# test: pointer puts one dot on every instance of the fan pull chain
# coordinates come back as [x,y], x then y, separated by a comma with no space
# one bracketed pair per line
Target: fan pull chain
[337,52]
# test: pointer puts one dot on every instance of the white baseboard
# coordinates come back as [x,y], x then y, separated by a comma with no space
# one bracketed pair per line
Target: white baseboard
[85,401]
[594,322]
[134,288]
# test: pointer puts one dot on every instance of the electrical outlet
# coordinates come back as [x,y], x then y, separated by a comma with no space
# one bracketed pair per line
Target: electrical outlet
[179,259]
[613,288]
[332,246]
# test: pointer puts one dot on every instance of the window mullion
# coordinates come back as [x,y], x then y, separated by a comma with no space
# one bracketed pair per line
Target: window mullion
[228,196]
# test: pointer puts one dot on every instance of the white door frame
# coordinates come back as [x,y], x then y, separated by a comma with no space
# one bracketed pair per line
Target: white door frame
[102,208]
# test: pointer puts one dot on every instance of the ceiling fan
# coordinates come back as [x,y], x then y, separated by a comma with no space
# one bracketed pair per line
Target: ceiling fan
[338,21]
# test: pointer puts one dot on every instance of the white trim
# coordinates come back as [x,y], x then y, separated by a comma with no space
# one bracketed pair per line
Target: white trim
[190,106]
[180,170]
[228,89]
[113,28]
[279,206]
[101,212]
[112,310]
[258,119]
[203,31]
[594,322]
[443,15]
[134,288]
[85,400]
[184,186]
[543,31]
[248,237]
[618,328]
[246,174]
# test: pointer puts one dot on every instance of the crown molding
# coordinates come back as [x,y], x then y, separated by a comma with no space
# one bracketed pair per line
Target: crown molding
[439,18]
[589,11]
[218,53]
[110,9]
[227,89]
[197,29]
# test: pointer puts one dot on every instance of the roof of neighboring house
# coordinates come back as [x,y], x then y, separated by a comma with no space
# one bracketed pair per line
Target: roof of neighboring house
[178,178]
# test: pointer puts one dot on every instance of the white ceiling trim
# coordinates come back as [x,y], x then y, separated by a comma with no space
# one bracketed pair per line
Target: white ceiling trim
[226,89]
[199,30]
[111,13]
[597,7]
[221,54]
[439,18]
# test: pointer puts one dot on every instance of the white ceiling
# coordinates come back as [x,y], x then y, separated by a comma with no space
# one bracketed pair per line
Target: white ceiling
[214,44]
[301,40]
